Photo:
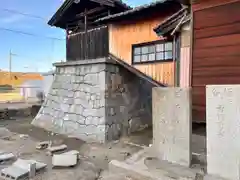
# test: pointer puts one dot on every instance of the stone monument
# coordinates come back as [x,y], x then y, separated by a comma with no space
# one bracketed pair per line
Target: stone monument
[172,126]
[223,131]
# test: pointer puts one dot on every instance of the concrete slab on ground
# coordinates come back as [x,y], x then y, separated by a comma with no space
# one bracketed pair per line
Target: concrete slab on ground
[143,166]
[210,177]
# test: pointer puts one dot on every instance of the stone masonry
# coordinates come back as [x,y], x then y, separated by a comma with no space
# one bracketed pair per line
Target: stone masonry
[96,101]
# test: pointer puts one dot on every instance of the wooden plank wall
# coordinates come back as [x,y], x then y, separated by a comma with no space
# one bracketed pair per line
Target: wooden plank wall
[161,72]
[90,45]
[216,49]
[123,35]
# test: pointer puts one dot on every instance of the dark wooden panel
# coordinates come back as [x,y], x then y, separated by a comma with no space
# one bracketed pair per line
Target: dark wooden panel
[216,16]
[219,61]
[207,80]
[217,71]
[90,45]
[217,31]
[227,40]
[217,52]
[203,4]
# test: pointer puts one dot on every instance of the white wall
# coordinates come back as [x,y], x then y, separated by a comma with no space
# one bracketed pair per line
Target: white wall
[47,83]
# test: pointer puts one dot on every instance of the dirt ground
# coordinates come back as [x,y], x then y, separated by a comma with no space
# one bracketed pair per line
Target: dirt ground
[94,157]
[20,137]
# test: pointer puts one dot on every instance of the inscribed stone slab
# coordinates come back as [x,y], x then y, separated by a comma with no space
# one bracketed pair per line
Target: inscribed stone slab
[223,130]
[172,124]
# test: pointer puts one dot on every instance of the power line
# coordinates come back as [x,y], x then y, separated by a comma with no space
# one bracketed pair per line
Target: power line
[24,14]
[30,34]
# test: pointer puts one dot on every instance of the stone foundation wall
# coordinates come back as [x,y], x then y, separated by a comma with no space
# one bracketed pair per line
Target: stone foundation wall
[128,102]
[95,101]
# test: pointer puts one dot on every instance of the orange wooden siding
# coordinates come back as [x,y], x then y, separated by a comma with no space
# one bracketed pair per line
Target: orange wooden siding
[123,35]
[161,72]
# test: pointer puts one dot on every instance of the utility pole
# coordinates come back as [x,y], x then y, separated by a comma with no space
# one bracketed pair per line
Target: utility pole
[10,65]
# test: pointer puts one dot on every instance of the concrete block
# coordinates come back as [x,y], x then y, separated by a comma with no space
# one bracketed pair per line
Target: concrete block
[54,149]
[32,170]
[43,145]
[26,164]
[22,168]
[13,173]
[6,156]
[172,124]
[72,152]
[223,135]
[64,160]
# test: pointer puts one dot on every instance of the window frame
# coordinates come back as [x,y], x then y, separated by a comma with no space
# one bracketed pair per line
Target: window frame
[153,43]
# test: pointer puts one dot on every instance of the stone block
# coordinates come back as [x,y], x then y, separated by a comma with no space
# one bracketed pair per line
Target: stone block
[64,107]
[72,152]
[80,95]
[6,156]
[102,121]
[98,68]
[80,119]
[223,133]
[172,124]
[13,173]
[22,168]
[64,160]
[94,112]
[43,145]
[54,149]
[102,80]
[91,79]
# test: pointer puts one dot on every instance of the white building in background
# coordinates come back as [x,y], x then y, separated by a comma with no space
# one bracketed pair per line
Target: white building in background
[32,90]
[36,90]
[47,81]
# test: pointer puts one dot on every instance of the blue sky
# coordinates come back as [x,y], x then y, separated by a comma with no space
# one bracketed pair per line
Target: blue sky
[33,53]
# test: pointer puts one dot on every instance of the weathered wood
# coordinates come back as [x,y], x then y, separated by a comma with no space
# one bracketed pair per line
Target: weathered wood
[105,2]
[216,49]
[88,45]
[91,11]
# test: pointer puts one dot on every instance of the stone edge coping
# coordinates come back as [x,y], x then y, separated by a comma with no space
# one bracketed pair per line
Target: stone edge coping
[84,62]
